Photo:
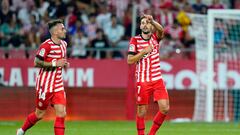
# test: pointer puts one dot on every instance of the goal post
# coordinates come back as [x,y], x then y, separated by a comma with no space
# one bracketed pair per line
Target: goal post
[217,46]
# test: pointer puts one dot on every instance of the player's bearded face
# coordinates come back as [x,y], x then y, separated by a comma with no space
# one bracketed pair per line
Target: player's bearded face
[145,26]
[62,32]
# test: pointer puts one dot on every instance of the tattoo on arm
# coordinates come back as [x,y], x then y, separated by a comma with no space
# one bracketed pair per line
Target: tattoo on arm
[41,63]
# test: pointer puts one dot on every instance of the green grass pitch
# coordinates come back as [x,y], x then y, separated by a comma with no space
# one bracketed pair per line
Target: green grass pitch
[123,128]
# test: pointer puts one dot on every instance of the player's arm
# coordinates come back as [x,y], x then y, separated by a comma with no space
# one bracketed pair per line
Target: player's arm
[41,63]
[132,59]
[42,55]
[157,27]
[57,63]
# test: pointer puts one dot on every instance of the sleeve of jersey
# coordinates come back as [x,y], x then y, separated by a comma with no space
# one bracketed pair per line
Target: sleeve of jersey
[43,52]
[65,43]
[132,49]
[155,35]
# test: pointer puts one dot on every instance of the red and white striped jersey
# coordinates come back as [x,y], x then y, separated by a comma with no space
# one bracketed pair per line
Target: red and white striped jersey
[148,67]
[50,79]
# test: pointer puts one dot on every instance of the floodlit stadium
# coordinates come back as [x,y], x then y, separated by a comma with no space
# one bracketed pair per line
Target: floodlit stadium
[199,62]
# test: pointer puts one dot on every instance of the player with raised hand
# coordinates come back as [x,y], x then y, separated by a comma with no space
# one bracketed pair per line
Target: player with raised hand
[51,59]
[144,52]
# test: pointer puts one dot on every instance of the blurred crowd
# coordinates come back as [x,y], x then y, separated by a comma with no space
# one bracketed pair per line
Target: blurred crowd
[101,26]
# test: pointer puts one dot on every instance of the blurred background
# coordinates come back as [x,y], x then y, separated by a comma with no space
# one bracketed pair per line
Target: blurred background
[99,83]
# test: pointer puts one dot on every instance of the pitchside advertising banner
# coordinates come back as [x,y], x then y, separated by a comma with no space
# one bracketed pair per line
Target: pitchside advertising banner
[178,74]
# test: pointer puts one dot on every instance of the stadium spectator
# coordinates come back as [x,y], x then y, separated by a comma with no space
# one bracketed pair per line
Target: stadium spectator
[100,43]
[43,29]
[70,20]
[104,17]
[35,13]
[21,4]
[79,44]
[91,27]
[183,18]
[157,3]
[187,7]
[142,5]
[32,33]
[180,4]
[83,14]
[127,22]
[11,33]
[169,45]
[43,6]
[114,32]
[120,6]
[188,43]
[219,34]
[24,15]
[199,7]
[216,5]
[175,31]
[5,12]
[232,33]
[236,4]
[77,26]
[165,16]
[60,7]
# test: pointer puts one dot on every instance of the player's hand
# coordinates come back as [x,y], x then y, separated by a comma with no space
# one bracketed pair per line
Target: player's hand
[149,18]
[61,63]
[148,49]
[66,65]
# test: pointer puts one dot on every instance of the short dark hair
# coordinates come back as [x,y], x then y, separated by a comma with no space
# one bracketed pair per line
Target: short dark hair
[53,23]
[99,30]
[141,17]
[113,16]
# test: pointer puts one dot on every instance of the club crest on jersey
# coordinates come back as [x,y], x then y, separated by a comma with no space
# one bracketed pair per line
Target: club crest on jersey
[42,52]
[131,48]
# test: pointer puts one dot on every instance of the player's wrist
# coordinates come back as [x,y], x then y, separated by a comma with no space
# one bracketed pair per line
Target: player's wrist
[153,22]
[144,52]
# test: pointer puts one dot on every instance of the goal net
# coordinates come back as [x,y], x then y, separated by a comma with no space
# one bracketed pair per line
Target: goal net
[217,36]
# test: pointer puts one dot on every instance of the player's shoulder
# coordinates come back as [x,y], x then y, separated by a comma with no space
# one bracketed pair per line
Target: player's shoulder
[135,38]
[47,42]
[154,35]
[64,42]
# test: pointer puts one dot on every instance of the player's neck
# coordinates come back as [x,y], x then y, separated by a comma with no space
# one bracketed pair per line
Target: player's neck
[146,36]
[56,40]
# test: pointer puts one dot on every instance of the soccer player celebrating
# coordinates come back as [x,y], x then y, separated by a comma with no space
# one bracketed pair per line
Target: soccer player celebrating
[144,52]
[51,59]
